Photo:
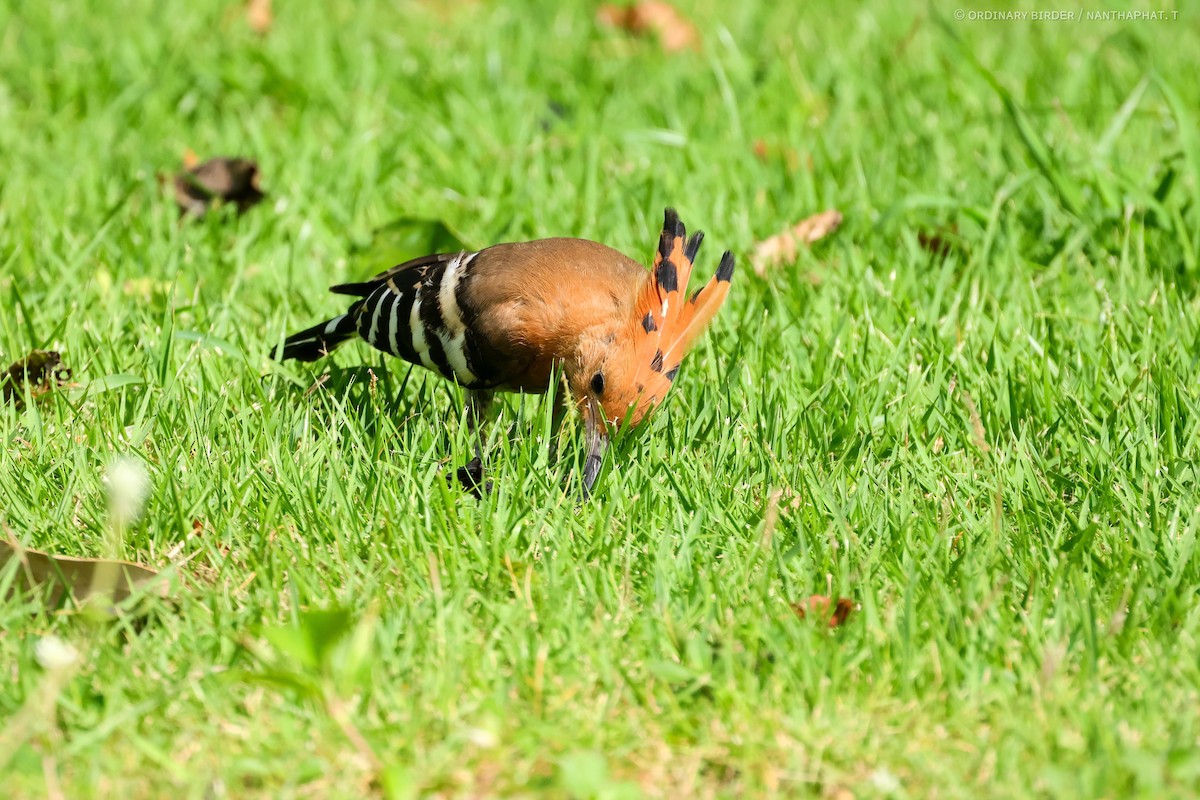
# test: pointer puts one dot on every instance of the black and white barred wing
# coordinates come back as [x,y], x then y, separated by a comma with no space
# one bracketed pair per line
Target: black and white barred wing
[415,311]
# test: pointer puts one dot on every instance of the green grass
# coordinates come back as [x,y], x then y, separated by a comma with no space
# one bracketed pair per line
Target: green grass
[1025,573]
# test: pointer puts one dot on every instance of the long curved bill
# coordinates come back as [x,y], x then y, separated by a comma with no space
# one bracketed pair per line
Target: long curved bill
[597,442]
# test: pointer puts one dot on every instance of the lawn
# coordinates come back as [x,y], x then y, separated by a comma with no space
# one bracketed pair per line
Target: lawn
[973,410]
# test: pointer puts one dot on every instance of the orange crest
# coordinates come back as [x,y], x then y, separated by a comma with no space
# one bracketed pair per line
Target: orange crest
[668,324]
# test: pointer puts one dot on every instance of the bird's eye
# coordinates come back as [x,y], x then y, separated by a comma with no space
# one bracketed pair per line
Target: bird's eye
[598,383]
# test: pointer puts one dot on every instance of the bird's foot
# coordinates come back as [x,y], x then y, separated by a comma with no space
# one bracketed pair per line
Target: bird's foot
[470,476]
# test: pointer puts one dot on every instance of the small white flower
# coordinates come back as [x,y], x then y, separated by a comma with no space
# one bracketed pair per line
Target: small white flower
[54,653]
[128,486]
[483,738]
[884,781]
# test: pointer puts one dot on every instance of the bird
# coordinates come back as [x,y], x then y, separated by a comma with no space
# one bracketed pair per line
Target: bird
[506,317]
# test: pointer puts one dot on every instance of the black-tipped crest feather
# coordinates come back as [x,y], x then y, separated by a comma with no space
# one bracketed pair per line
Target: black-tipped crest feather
[665,245]
[667,276]
[725,270]
[672,226]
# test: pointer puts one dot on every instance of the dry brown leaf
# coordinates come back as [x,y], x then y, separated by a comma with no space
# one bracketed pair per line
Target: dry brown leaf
[318,383]
[771,518]
[448,10]
[41,369]
[781,248]
[939,242]
[674,31]
[258,15]
[232,180]
[819,606]
[82,578]
[978,433]
[789,157]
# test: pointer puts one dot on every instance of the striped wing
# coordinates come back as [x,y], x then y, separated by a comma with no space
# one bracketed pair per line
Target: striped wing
[415,312]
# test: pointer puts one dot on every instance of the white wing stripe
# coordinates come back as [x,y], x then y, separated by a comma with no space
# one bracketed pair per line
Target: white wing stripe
[418,335]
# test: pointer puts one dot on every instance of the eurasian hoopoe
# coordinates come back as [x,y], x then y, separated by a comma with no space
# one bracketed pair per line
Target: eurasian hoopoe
[502,318]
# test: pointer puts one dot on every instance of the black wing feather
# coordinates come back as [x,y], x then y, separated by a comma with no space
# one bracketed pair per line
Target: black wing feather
[366,287]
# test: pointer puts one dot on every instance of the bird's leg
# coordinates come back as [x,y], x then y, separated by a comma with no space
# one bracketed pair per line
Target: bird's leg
[597,443]
[470,475]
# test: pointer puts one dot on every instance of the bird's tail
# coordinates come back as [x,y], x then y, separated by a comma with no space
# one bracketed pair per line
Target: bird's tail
[319,340]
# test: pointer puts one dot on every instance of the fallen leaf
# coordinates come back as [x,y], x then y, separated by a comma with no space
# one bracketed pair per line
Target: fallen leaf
[258,15]
[232,180]
[448,9]
[819,604]
[82,578]
[841,611]
[321,381]
[788,156]
[978,433]
[939,242]
[41,369]
[674,31]
[770,518]
[781,248]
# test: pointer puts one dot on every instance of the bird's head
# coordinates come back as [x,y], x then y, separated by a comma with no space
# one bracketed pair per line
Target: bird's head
[619,377]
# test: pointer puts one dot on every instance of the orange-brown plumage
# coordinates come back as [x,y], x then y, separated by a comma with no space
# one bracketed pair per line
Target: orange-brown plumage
[504,318]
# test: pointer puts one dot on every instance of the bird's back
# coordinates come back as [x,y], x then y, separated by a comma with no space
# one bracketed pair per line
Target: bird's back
[534,299]
[499,318]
